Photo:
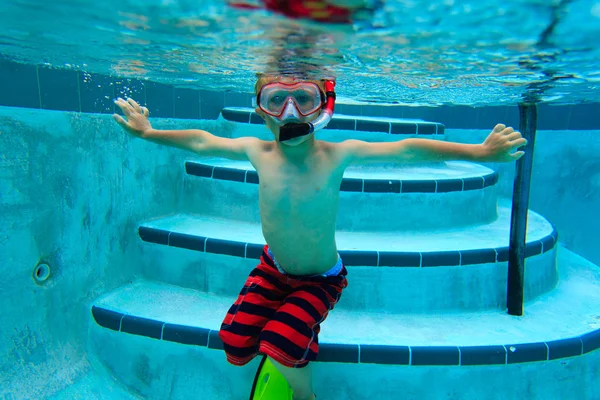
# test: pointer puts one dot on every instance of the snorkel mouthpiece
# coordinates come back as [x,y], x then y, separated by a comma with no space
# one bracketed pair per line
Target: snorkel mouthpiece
[294,130]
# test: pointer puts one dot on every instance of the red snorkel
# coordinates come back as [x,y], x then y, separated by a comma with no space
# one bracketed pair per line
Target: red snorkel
[294,130]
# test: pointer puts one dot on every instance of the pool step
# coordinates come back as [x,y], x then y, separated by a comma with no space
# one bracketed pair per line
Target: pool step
[392,126]
[146,320]
[383,197]
[454,262]
[472,245]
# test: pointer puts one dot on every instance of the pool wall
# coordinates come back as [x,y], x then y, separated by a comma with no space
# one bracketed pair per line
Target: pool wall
[74,188]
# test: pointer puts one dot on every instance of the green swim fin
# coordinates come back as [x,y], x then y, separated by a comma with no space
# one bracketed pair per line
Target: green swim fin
[269,384]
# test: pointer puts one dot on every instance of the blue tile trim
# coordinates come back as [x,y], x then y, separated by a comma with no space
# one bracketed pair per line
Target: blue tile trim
[484,181]
[591,341]
[526,352]
[254,251]
[381,186]
[427,129]
[142,326]
[229,174]
[404,129]
[198,169]
[355,124]
[211,104]
[473,183]
[235,116]
[107,318]
[440,258]
[160,100]
[17,75]
[533,248]
[153,235]
[439,355]
[331,352]
[478,256]
[351,185]
[399,259]
[185,241]
[19,86]
[186,103]
[367,353]
[97,94]
[227,247]
[341,124]
[214,341]
[134,88]
[351,258]
[482,355]
[185,334]
[549,242]
[419,186]
[252,177]
[381,354]
[565,348]
[359,258]
[448,185]
[256,119]
[490,179]
[372,126]
[502,254]
[59,89]
[355,184]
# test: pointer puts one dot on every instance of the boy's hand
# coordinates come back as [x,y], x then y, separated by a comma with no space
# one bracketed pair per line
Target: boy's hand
[500,144]
[137,117]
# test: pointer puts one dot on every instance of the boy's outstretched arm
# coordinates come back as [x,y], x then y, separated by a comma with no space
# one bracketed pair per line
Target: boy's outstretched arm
[198,141]
[499,146]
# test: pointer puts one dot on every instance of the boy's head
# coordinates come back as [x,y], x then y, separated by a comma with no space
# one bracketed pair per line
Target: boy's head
[283,100]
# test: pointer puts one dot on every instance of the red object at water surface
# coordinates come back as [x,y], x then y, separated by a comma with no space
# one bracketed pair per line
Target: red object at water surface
[316,10]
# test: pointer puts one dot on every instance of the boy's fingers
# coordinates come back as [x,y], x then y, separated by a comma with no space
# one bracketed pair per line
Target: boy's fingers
[519,142]
[514,136]
[124,106]
[120,120]
[517,155]
[134,104]
[499,127]
[146,112]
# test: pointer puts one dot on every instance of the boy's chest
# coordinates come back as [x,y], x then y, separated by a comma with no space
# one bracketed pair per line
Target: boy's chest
[288,185]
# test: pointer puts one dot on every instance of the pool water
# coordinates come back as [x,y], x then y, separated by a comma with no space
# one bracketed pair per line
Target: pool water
[143,248]
[418,52]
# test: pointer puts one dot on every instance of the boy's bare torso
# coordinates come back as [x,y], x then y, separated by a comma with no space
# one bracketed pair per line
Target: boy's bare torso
[298,201]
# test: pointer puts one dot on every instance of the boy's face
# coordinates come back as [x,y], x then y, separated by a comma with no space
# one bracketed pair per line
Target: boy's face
[289,115]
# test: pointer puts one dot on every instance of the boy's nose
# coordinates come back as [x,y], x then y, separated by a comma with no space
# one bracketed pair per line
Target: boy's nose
[290,111]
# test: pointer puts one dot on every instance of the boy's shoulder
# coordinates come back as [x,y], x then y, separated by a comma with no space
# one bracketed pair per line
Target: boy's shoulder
[339,149]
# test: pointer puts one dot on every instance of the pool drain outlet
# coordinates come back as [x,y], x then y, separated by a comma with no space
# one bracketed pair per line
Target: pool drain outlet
[41,273]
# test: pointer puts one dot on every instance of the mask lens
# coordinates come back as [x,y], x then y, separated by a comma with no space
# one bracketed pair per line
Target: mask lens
[307,100]
[305,95]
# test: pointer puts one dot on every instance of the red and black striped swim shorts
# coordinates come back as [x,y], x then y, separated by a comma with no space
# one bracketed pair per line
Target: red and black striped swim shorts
[279,315]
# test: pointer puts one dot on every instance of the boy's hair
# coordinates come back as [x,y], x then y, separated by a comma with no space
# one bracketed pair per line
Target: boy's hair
[262,79]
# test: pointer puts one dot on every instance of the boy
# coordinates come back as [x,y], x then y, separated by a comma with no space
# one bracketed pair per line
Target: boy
[300,276]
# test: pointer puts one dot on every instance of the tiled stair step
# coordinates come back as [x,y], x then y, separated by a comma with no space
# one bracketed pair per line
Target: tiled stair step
[451,176]
[472,245]
[383,197]
[394,126]
[562,323]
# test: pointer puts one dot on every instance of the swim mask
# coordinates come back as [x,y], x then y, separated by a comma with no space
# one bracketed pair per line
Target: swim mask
[286,103]
[290,100]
